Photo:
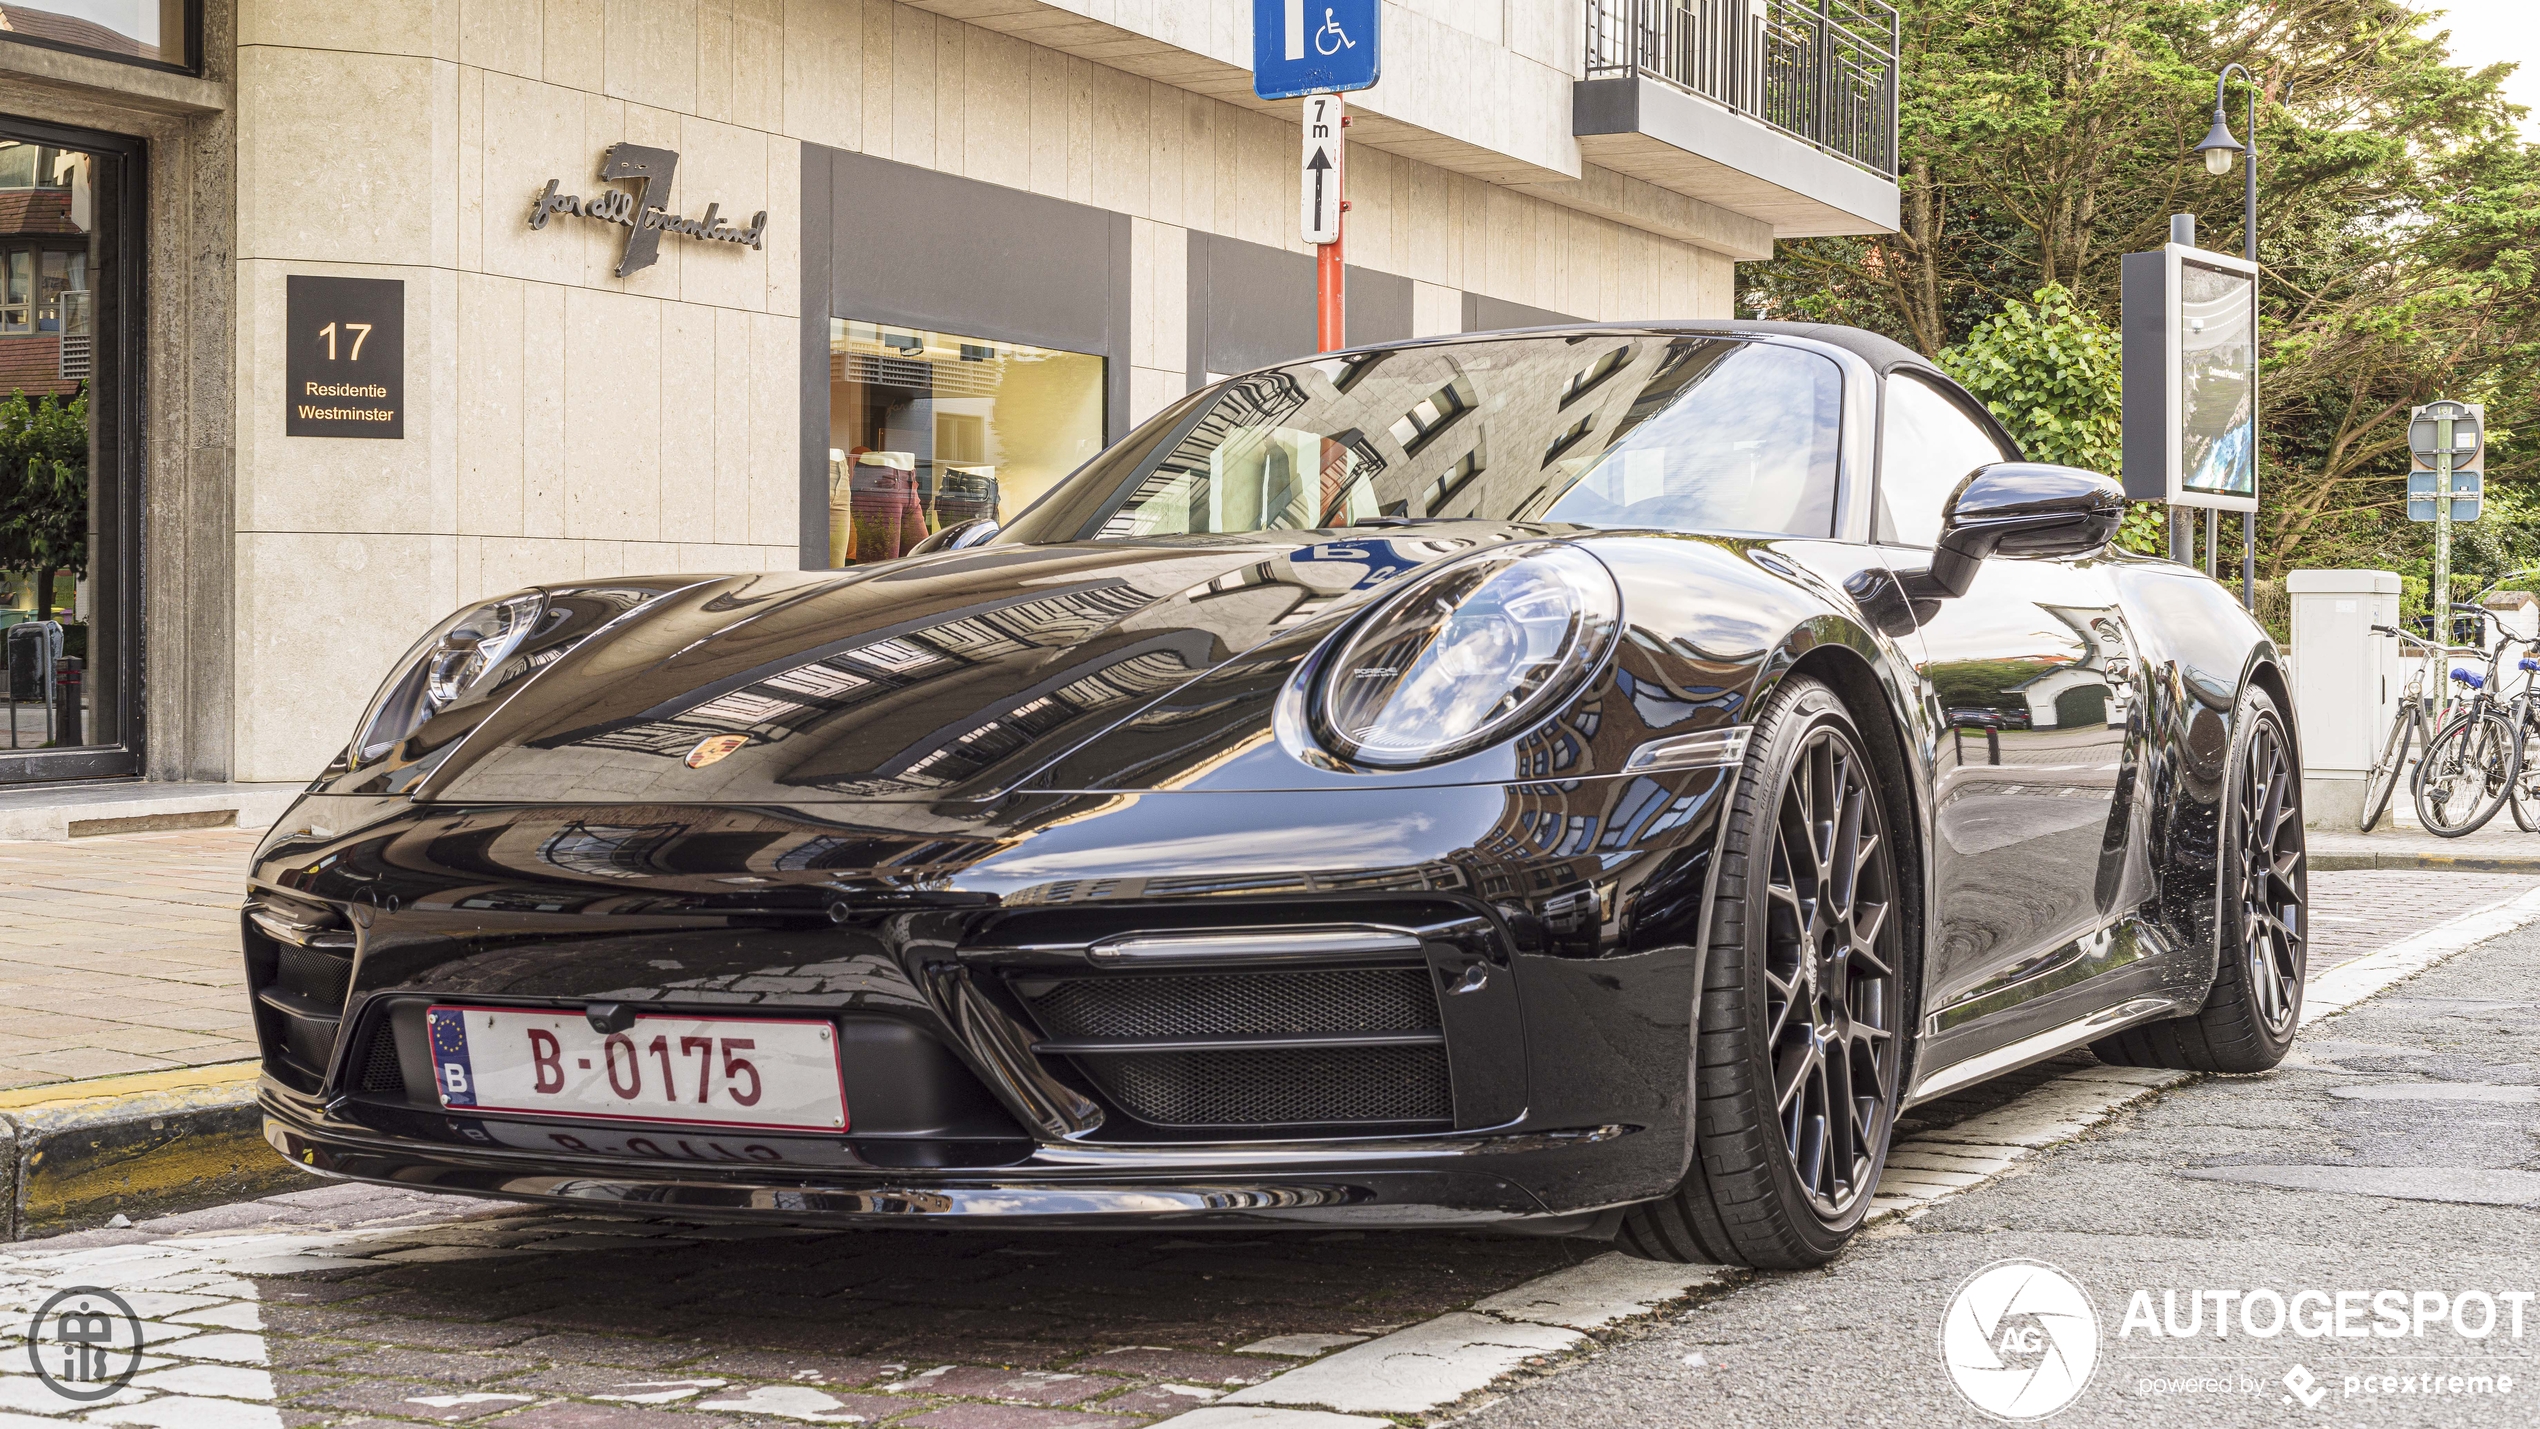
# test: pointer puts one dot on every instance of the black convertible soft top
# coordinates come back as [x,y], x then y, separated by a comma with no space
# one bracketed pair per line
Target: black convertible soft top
[1884,354]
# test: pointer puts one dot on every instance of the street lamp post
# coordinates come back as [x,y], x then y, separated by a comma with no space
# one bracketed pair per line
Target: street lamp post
[2218,147]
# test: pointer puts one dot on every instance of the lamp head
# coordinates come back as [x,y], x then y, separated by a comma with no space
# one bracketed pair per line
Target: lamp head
[2218,146]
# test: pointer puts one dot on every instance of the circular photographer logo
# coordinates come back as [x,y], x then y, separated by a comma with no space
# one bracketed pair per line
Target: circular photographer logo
[84,1343]
[2020,1339]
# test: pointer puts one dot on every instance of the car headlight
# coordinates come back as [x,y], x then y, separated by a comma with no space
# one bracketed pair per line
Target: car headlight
[1465,654]
[463,658]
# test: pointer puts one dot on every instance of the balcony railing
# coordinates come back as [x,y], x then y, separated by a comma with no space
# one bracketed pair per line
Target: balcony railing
[1820,70]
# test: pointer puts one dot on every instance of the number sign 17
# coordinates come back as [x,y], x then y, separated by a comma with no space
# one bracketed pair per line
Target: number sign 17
[358,332]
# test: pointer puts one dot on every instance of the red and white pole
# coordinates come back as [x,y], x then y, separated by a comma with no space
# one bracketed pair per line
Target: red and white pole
[1320,207]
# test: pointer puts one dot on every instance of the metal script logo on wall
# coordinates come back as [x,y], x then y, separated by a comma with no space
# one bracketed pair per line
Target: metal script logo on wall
[85,1344]
[643,213]
[2020,1339]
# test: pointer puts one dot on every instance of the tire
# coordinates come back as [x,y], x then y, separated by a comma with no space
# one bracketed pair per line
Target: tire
[2468,772]
[2524,800]
[2262,898]
[2384,779]
[1798,1059]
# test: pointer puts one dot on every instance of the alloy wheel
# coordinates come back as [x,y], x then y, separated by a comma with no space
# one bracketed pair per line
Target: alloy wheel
[1830,968]
[2271,882]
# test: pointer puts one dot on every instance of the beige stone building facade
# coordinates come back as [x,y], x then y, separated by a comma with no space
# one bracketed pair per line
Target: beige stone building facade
[1081,194]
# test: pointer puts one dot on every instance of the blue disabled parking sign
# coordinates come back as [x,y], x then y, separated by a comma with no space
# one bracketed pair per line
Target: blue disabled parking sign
[1313,47]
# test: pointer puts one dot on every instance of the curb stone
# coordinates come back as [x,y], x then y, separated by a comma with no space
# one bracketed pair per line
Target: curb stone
[74,1154]
[2426,862]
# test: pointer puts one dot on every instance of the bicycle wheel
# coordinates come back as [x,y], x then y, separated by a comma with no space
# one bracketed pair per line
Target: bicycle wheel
[2525,799]
[2468,772]
[2384,779]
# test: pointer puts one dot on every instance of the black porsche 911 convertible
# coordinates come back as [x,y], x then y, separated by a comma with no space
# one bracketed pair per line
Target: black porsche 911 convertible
[1587,781]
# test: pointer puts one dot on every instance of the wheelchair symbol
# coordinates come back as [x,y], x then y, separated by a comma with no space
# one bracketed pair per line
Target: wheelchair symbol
[1339,40]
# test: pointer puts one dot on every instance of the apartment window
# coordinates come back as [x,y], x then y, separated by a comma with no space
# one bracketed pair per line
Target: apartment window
[164,34]
[927,429]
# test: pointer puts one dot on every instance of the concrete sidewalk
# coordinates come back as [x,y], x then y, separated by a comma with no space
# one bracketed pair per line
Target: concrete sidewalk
[120,955]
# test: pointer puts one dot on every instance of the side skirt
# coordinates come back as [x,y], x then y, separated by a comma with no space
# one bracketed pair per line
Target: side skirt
[1940,1081]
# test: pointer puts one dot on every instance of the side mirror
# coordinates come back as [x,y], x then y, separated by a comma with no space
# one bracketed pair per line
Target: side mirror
[957,536]
[2018,508]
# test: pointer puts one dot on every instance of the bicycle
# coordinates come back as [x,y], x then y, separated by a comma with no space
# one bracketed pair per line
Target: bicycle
[2410,727]
[2474,759]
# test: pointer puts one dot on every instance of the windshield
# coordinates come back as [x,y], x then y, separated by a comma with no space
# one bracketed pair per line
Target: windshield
[1620,429]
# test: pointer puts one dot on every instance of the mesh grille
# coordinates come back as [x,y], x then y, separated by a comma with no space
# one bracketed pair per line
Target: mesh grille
[1228,1004]
[1279,1087]
[380,1069]
[311,1043]
[323,978]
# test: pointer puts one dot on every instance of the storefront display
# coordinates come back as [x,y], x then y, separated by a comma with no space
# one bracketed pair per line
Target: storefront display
[929,429]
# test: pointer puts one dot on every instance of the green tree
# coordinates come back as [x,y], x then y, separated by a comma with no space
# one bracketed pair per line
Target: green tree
[2399,211]
[2049,370]
[44,491]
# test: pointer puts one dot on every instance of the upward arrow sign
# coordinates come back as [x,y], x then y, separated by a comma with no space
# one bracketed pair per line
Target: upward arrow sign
[1318,166]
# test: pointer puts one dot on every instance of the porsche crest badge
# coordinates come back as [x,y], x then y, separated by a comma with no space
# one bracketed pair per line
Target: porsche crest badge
[714,747]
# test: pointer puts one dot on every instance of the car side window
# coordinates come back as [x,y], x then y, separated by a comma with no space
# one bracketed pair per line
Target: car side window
[1927,445]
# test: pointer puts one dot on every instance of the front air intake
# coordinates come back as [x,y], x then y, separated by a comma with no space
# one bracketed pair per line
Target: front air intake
[299,970]
[1306,1047]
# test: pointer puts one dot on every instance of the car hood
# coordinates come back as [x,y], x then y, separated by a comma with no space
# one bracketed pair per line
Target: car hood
[950,676]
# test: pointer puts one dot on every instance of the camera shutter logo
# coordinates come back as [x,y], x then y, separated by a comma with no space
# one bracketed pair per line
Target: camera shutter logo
[2020,1339]
[85,1344]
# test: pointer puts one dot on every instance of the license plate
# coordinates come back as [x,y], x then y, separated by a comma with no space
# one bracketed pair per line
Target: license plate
[779,1074]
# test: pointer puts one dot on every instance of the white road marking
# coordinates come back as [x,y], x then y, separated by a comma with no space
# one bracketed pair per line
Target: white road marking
[789,1401]
[1252,1416]
[1300,1346]
[1605,1291]
[1412,1370]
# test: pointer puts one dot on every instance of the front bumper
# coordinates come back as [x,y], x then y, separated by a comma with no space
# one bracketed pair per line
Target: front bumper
[1541,1077]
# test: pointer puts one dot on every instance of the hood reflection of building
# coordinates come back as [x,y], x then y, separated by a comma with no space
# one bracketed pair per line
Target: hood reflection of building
[792,702]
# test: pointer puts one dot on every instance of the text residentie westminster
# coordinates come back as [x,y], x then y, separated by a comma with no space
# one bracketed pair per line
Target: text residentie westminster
[345,414]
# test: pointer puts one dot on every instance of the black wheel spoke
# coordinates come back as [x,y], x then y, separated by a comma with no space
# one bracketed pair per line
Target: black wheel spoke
[1831,961]
[2272,854]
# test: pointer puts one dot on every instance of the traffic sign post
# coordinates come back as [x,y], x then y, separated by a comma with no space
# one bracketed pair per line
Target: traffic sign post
[1319,208]
[2448,442]
[1318,51]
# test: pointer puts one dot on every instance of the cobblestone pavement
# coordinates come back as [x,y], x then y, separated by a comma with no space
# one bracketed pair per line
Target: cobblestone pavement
[346,1303]
[121,955]
[2357,911]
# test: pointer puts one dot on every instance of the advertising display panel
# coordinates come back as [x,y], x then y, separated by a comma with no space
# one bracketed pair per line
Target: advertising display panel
[2191,378]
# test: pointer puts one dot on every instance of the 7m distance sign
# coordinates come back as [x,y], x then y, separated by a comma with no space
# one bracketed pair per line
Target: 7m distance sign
[1319,194]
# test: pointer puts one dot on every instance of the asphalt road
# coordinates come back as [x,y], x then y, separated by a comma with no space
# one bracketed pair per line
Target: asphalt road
[2398,1150]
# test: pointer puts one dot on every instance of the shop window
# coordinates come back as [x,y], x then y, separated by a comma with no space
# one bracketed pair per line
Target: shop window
[160,33]
[65,569]
[929,429]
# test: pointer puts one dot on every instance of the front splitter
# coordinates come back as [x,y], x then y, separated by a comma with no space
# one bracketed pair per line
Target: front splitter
[1381,1197]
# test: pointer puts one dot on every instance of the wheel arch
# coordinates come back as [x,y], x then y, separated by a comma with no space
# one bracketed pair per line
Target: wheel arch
[1847,660]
